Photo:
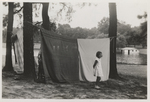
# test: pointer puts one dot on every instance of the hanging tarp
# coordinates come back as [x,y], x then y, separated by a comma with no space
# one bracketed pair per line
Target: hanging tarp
[59,57]
[87,49]
[18,46]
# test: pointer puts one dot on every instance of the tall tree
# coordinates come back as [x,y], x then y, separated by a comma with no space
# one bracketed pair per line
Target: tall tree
[28,40]
[45,17]
[113,34]
[8,62]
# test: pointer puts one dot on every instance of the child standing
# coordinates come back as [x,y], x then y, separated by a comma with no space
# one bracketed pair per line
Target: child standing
[98,72]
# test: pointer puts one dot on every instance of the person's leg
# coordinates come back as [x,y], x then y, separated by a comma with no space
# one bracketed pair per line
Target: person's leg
[97,81]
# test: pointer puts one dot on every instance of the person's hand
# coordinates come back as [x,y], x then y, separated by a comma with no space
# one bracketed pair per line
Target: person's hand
[94,74]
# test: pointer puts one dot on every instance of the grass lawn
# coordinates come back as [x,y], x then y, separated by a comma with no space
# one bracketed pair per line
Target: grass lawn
[132,70]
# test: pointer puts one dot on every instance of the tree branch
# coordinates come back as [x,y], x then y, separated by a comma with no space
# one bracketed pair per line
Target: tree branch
[64,5]
[17,11]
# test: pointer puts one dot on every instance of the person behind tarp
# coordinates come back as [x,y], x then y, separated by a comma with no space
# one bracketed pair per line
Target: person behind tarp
[98,72]
[17,40]
[40,75]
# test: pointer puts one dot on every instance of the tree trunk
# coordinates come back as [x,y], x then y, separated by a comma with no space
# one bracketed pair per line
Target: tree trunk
[8,61]
[29,68]
[113,33]
[45,17]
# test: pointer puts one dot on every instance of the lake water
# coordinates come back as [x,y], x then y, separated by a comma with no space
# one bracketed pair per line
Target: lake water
[132,59]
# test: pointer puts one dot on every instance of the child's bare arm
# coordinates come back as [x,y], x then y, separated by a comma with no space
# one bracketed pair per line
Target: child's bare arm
[95,63]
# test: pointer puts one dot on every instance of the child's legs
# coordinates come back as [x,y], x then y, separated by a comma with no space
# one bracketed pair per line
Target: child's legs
[98,80]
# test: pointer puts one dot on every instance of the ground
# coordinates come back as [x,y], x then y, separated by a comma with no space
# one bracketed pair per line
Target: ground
[131,86]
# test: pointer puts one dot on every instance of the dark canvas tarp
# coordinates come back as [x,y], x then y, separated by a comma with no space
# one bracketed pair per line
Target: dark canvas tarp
[59,57]
[87,49]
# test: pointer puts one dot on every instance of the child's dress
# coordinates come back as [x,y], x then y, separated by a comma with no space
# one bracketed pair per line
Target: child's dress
[98,71]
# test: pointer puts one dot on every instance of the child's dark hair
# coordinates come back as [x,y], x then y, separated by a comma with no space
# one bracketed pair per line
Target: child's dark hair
[99,52]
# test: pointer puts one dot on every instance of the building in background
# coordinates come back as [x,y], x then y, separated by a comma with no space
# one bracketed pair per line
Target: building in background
[129,50]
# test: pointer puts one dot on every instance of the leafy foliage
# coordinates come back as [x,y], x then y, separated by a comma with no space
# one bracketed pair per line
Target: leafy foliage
[78,32]
[16,8]
[5,20]
[126,35]
[103,25]
[143,33]
[121,41]
[5,3]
